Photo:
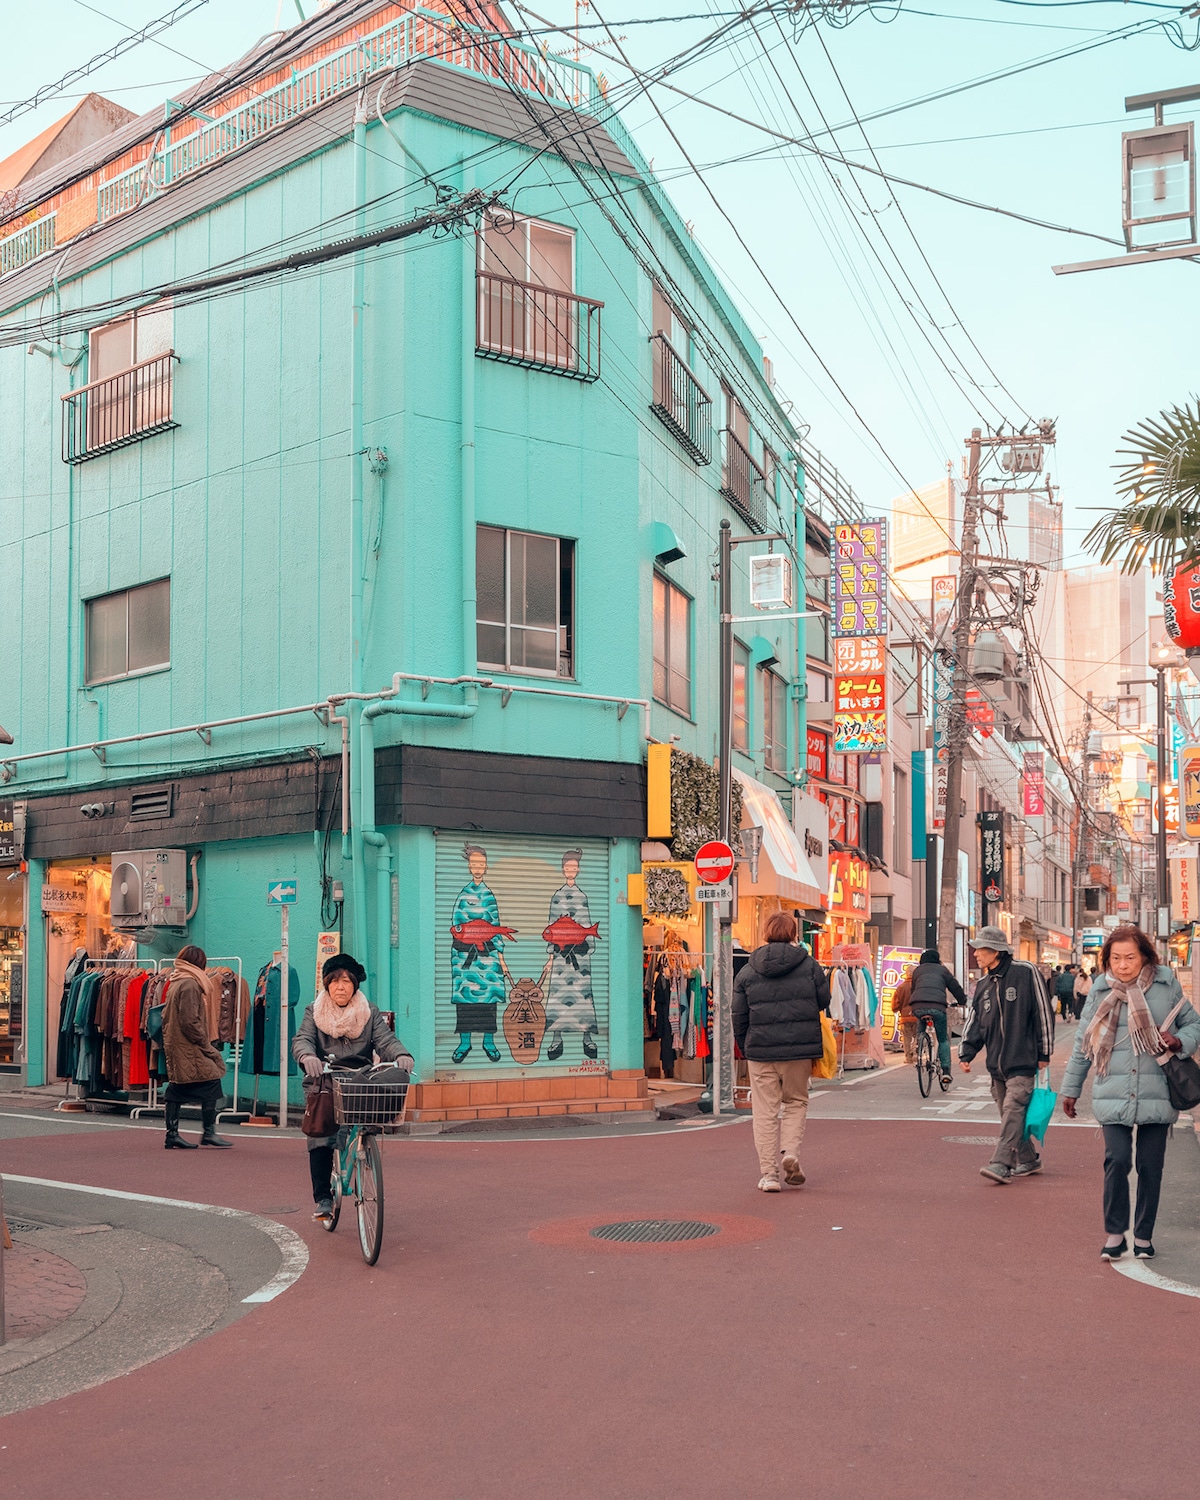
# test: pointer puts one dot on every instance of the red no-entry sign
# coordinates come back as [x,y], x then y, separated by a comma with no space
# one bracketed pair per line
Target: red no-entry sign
[714,862]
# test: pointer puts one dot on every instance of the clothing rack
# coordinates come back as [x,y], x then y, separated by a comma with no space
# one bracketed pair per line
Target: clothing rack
[150,966]
[231,962]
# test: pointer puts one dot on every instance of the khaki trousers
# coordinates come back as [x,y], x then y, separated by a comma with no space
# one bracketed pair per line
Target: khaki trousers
[908,1035]
[1012,1095]
[772,1085]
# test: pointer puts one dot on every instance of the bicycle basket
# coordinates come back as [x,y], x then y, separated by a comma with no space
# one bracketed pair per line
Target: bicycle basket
[359,1101]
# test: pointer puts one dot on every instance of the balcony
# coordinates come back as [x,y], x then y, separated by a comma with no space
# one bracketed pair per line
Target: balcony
[521,323]
[122,409]
[744,484]
[17,250]
[680,402]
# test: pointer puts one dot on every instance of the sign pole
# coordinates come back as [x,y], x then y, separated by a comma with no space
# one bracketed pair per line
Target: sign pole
[722,1090]
[284,997]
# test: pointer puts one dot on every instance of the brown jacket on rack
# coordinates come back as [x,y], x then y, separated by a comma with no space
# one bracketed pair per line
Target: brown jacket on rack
[191,1056]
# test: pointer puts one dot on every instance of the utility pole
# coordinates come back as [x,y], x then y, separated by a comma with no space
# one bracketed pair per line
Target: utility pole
[723,1031]
[956,735]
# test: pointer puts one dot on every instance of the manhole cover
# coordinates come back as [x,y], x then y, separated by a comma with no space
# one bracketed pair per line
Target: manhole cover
[655,1231]
[972,1140]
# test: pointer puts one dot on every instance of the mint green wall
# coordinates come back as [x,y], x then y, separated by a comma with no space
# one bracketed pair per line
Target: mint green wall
[246,506]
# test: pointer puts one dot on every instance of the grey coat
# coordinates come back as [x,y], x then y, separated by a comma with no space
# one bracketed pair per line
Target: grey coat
[1133,1091]
[349,1051]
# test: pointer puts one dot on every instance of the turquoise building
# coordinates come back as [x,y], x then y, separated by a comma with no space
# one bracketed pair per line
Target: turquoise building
[375,571]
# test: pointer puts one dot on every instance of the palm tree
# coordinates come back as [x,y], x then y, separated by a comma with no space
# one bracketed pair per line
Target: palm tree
[1158,477]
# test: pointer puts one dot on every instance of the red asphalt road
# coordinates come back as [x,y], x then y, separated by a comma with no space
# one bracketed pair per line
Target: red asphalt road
[950,1338]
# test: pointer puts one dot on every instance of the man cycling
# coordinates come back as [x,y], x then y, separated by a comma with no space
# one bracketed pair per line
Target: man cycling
[931,979]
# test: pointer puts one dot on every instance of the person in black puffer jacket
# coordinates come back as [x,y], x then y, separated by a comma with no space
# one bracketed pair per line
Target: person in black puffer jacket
[777,1002]
[930,981]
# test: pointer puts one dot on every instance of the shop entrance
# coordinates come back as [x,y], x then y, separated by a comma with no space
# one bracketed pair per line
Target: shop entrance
[12,971]
[75,908]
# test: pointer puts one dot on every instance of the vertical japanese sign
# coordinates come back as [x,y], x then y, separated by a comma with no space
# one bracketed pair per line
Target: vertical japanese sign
[1189,791]
[1035,784]
[991,861]
[860,694]
[943,693]
[860,579]
[945,592]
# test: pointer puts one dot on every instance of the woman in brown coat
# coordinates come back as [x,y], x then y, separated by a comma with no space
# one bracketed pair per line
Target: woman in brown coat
[194,1066]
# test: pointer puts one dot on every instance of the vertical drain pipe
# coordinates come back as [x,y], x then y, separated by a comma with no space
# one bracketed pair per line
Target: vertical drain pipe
[467,449]
[354,708]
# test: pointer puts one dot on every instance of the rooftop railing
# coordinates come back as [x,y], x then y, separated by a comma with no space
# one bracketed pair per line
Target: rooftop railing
[17,250]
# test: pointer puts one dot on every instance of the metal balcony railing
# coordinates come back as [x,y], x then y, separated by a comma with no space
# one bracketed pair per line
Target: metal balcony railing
[680,402]
[744,484]
[535,326]
[122,409]
[17,250]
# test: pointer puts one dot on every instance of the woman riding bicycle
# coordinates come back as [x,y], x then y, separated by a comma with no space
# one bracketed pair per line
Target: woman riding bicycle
[343,1028]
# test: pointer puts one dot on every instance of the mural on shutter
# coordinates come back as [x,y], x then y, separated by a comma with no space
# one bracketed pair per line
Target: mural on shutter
[522,955]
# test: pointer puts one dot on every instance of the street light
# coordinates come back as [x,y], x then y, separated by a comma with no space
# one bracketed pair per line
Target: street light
[1164,657]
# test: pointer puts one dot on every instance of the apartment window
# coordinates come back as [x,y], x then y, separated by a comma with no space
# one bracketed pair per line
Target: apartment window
[672,646]
[900,820]
[774,701]
[820,687]
[680,402]
[528,312]
[816,572]
[129,632]
[741,697]
[525,601]
[129,393]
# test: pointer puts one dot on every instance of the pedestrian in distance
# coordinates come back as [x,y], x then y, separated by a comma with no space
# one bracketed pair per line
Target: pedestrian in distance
[931,980]
[902,1007]
[343,1028]
[1120,1036]
[1064,991]
[194,1065]
[1011,1019]
[778,998]
[1083,985]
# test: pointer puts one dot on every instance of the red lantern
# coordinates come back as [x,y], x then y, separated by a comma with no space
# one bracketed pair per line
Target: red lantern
[1181,606]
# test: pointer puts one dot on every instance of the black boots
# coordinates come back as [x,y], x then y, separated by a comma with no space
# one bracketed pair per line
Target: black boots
[174,1141]
[208,1114]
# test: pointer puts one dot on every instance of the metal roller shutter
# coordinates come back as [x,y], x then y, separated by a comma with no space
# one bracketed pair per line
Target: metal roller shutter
[523,875]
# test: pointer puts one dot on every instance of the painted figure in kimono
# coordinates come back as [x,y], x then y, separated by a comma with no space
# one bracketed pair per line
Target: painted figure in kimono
[477,958]
[571,936]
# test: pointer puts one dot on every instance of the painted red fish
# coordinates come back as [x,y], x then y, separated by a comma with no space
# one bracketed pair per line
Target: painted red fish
[478,933]
[566,932]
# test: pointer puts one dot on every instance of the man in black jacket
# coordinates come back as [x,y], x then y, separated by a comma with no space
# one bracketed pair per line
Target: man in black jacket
[1012,1018]
[931,979]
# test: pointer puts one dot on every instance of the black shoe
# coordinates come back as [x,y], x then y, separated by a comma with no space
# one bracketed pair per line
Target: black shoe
[211,1138]
[1113,1252]
[589,1046]
[175,1142]
[556,1049]
[1143,1252]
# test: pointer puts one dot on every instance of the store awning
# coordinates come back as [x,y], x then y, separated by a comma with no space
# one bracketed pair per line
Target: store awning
[783,867]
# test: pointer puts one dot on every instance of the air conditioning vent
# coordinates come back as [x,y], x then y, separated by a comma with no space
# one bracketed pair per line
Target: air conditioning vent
[153,802]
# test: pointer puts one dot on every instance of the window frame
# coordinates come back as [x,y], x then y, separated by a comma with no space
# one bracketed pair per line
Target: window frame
[666,660]
[565,627]
[163,666]
[774,719]
[741,665]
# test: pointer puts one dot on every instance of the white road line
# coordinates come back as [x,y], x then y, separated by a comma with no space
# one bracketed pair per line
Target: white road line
[1138,1270]
[291,1247]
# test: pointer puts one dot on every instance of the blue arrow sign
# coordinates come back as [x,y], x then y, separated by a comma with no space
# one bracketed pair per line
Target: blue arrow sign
[281,893]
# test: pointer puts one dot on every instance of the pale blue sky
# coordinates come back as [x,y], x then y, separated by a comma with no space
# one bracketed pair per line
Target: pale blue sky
[1097,351]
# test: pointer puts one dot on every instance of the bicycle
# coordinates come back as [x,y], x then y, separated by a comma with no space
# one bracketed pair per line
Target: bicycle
[364,1108]
[928,1066]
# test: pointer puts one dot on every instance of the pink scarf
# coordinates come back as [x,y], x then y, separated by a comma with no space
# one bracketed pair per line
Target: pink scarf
[338,1020]
[1101,1034]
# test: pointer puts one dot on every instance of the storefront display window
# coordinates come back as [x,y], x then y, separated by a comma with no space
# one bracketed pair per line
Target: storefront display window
[75,904]
[12,969]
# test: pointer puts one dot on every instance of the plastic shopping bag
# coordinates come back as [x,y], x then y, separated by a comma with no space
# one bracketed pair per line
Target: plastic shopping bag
[1041,1107]
[826,1065]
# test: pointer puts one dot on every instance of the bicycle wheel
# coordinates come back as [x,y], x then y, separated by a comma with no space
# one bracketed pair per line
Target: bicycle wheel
[925,1064]
[335,1192]
[369,1198]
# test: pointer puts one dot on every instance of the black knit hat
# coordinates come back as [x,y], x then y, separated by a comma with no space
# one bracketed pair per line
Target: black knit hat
[931,956]
[342,962]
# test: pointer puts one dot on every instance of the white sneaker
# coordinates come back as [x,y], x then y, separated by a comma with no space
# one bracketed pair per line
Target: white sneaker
[769,1185]
[793,1173]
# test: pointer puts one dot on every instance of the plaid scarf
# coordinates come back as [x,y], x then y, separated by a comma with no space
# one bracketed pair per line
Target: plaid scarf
[1101,1034]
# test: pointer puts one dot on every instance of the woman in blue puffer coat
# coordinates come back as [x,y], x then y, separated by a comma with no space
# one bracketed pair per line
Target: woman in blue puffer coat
[1119,1035]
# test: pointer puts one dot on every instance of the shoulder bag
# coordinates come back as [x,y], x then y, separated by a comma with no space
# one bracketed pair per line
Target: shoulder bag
[1182,1074]
[319,1117]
